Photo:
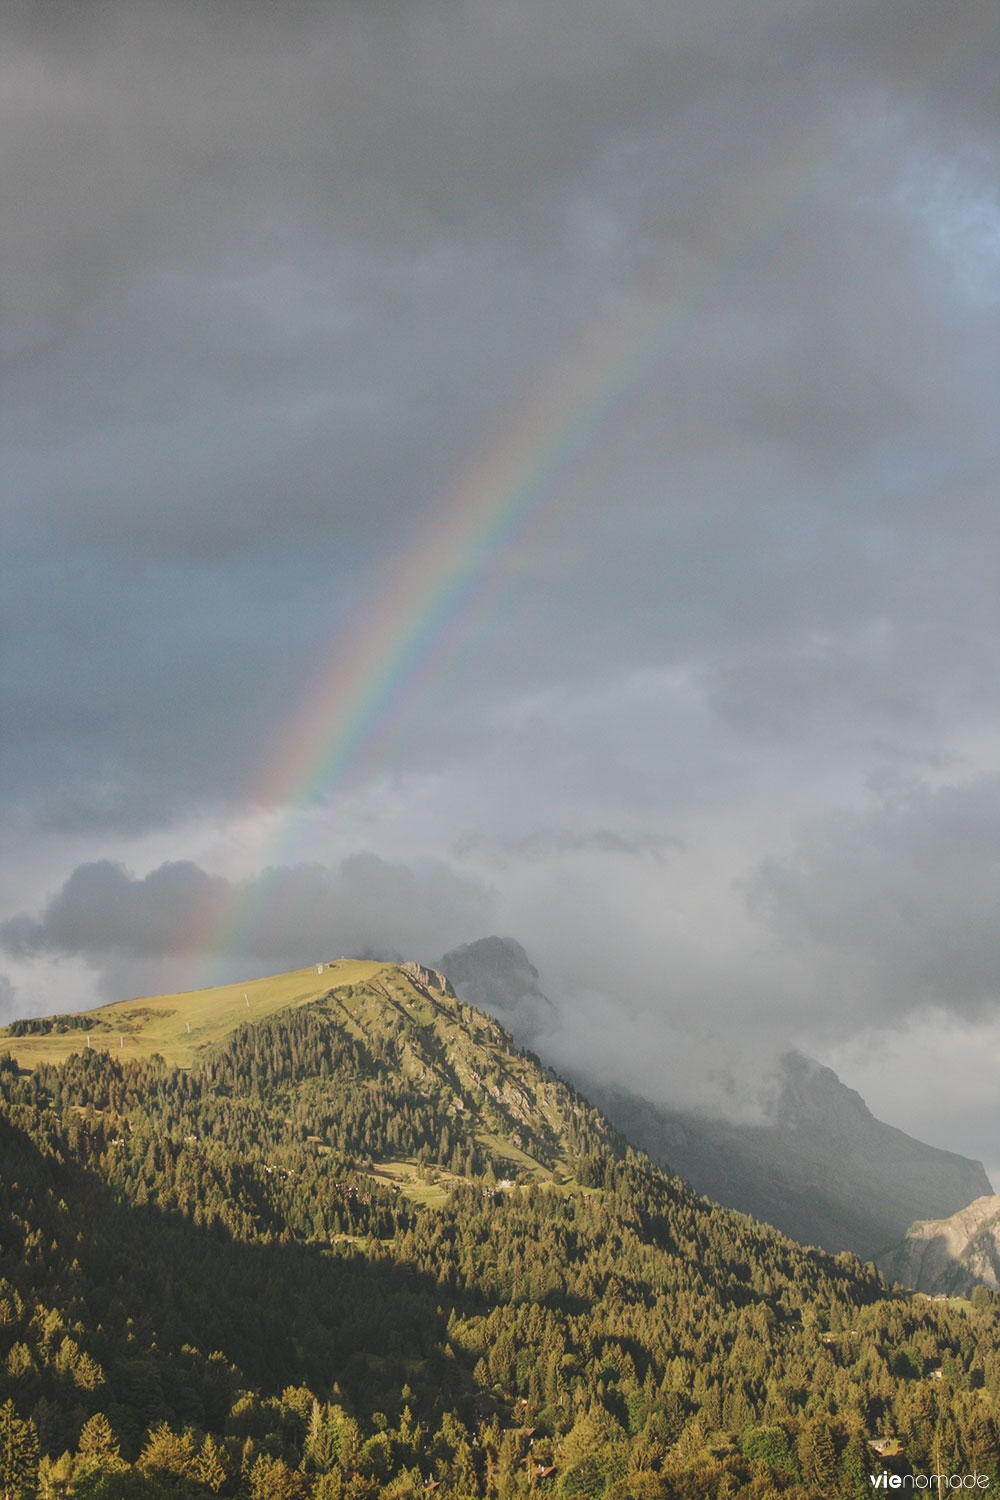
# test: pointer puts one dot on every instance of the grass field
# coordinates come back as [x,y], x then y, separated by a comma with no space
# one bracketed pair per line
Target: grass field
[413,1183]
[179,1027]
[522,1164]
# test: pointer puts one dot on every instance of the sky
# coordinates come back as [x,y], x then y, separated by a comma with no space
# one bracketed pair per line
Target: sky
[523,468]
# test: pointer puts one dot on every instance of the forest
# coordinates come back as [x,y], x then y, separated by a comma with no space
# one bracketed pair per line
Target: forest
[368,1247]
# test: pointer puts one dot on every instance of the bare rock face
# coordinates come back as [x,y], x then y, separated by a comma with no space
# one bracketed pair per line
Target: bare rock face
[950,1256]
[428,979]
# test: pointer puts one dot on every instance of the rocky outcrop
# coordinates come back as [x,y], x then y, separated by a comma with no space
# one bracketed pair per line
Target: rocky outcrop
[428,979]
[950,1256]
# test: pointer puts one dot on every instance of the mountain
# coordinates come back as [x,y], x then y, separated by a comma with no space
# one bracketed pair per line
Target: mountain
[331,1235]
[397,1031]
[820,1167]
[496,975]
[950,1256]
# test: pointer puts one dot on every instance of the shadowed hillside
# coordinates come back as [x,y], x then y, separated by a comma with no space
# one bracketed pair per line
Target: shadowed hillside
[822,1169]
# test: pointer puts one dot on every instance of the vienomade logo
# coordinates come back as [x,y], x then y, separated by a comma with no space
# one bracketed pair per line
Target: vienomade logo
[886,1481]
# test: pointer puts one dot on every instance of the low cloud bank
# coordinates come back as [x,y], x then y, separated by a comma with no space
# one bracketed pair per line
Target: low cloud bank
[177,924]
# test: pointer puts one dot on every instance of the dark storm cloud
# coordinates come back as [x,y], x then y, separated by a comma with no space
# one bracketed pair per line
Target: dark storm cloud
[102,909]
[277,276]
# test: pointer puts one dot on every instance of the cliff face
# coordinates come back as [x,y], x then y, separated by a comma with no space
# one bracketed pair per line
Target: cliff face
[429,979]
[950,1255]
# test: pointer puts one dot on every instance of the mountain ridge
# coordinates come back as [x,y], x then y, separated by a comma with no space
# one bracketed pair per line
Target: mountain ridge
[407,1017]
[821,1167]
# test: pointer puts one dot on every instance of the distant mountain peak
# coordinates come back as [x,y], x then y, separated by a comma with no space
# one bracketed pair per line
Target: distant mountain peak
[819,1165]
[499,957]
[810,1094]
[495,974]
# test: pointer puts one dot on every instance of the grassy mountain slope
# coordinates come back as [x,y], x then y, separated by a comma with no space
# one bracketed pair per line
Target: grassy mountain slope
[359,1243]
[405,1023]
[179,1028]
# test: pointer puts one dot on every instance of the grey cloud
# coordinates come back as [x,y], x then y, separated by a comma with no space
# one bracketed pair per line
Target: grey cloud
[907,890]
[544,843]
[284,285]
[8,1000]
[102,909]
[163,930]
[280,278]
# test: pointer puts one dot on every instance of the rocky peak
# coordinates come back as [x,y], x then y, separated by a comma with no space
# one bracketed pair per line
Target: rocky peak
[809,1094]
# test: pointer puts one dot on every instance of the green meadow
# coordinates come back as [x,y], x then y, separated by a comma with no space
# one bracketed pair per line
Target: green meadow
[181,1027]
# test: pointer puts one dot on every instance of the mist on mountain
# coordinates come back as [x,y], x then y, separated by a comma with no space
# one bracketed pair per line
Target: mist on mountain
[814,1160]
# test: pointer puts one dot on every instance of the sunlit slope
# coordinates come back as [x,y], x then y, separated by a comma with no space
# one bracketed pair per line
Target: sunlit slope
[451,1062]
[181,1027]
[466,1068]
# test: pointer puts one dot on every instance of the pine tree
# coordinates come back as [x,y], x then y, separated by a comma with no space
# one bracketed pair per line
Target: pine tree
[98,1443]
[329,1486]
[272,1479]
[54,1476]
[978,1439]
[210,1468]
[855,1468]
[173,1452]
[818,1456]
[463,1470]
[18,1454]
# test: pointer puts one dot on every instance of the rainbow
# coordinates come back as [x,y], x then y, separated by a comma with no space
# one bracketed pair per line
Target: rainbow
[497,515]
